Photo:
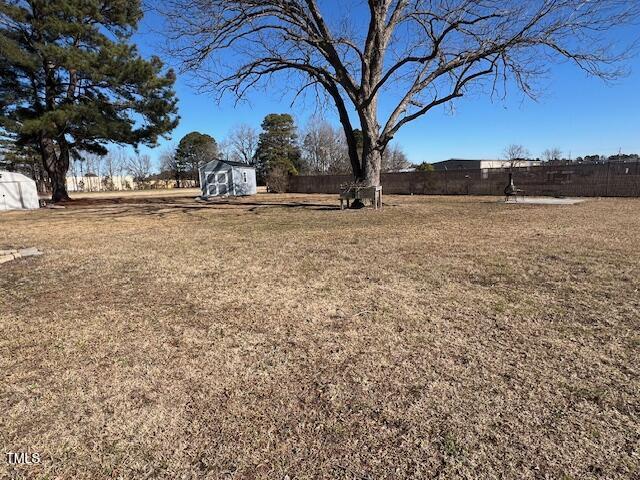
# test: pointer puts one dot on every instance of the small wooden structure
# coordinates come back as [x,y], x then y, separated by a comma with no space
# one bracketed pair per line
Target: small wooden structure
[354,192]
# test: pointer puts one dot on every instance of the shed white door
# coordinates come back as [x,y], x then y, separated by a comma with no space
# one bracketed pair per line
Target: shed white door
[11,196]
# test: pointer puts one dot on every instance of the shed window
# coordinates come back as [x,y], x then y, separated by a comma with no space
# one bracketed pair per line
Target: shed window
[222,178]
[244,177]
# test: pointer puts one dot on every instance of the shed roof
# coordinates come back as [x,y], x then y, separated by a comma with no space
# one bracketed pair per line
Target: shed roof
[230,163]
[237,164]
[6,176]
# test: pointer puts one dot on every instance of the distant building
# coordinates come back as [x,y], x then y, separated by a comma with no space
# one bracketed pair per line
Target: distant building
[94,183]
[463,164]
[624,158]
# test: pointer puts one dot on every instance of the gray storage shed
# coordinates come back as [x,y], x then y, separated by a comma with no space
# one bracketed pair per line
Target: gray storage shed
[223,177]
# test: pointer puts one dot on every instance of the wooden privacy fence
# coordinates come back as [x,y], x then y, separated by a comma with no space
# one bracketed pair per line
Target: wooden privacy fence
[591,180]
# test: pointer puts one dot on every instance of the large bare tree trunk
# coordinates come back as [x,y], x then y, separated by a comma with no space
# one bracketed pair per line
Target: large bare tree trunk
[370,157]
[372,162]
[369,172]
[56,167]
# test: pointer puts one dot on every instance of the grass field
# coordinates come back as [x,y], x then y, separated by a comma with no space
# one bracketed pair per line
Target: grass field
[277,337]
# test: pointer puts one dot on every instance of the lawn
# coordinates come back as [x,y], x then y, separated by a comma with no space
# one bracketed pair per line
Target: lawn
[277,337]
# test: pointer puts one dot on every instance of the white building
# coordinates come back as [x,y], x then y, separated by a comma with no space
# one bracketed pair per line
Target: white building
[95,183]
[464,164]
[17,192]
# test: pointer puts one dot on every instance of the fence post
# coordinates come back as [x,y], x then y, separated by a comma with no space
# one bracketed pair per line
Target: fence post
[446,181]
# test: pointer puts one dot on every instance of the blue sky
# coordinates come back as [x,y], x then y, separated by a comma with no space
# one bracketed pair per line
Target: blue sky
[578,114]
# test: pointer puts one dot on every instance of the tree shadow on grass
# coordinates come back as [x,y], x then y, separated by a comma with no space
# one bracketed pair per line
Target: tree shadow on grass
[120,207]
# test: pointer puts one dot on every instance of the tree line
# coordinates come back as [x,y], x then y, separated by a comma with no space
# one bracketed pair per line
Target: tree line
[279,149]
[516,154]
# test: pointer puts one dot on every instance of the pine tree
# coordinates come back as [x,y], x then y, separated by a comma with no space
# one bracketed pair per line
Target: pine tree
[22,159]
[194,150]
[277,146]
[70,81]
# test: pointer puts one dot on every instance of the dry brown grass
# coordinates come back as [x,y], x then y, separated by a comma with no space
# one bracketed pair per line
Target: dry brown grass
[275,336]
[133,194]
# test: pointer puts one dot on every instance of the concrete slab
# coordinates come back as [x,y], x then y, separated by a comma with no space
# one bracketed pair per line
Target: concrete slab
[6,258]
[545,201]
[9,255]
[30,252]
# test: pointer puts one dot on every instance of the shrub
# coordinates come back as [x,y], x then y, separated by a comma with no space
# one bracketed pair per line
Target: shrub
[278,179]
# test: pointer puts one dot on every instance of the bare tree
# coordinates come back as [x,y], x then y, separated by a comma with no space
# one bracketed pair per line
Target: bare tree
[93,163]
[93,171]
[225,151]
[114,163]
[121,169]
[324,149]
[139,166]
[422,53]
[515,155]
[277,179]
[74,169]
[241,144]
[394,159]
[552,154]
[170,167]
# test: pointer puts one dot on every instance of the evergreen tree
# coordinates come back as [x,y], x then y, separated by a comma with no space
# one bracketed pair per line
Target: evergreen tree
[70,81]
[194,150]
[425,167]
[22,159]
[277,146]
